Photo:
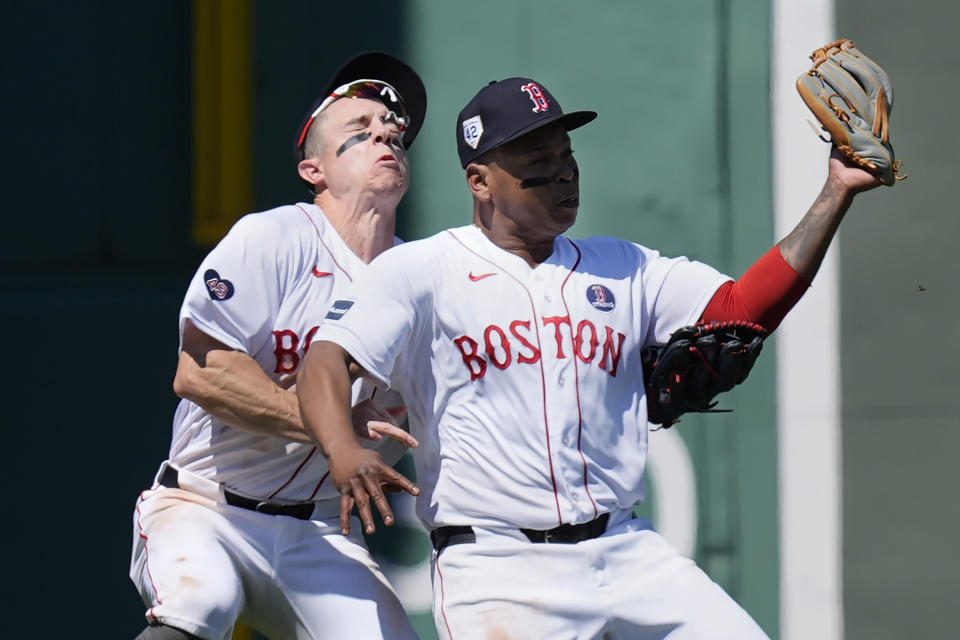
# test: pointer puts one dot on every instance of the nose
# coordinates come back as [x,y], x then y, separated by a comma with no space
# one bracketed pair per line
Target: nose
[383,132]
[568,170]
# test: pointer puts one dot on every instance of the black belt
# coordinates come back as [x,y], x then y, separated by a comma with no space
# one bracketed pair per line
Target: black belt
[443,537]
[300,510]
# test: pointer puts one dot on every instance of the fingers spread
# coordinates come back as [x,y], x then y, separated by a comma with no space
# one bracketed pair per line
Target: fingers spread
[361,481]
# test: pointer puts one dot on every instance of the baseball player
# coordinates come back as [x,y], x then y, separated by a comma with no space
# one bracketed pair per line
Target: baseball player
[517,350]
[242,520]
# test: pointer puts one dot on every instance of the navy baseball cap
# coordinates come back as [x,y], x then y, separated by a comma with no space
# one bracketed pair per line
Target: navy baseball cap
[406,93]
[505,110]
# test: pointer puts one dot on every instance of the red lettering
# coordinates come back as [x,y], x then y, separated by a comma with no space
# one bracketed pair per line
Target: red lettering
[613,352]
[309,339]
[498,350]
[522,358]
[476,364]
[556,321]
[286,354]
[578,341]
[492,348]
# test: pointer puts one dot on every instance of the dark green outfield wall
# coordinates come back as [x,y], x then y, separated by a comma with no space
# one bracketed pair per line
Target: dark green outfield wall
[95,255]
[96,248]
[673,161]
[900,338]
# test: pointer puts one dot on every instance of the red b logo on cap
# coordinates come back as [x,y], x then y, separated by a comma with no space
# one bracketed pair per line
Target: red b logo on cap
[540,102]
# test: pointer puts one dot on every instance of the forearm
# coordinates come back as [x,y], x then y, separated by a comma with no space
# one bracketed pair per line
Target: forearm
[805,246]
[232,387]
[770,288]
[764,294]
[323,390]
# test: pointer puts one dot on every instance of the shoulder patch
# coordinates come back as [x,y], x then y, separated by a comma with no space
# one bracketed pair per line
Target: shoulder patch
[338,309]
[217,288]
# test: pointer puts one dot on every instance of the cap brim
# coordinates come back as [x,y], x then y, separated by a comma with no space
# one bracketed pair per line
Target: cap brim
[569,121]
[379,66]
[575,119]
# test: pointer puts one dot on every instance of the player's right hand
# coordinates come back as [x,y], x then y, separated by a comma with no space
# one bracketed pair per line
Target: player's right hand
[360,475]
[373,422]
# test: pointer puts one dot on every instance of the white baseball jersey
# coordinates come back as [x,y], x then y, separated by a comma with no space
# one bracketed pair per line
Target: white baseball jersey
[524,385]
[263,290]
[200,564]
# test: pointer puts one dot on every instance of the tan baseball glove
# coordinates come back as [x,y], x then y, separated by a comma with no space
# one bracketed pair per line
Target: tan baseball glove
[851,96]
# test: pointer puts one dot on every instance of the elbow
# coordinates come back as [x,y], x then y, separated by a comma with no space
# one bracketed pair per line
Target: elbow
[181,387]
[188,384]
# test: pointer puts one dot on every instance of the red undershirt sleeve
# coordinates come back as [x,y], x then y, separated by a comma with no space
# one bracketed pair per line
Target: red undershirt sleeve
[764,294]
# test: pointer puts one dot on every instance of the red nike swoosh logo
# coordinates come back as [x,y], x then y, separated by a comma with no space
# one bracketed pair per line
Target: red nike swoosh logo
[480,277]
[321,274]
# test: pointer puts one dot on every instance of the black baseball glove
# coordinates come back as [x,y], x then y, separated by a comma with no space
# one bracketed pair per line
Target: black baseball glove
[696,364]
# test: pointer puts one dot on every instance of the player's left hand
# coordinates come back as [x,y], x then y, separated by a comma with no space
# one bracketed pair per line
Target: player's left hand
[695,365]
[849,175]
[373,422]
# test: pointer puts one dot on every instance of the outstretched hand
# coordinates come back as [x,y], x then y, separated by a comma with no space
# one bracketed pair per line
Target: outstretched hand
[361,475]
[851,176]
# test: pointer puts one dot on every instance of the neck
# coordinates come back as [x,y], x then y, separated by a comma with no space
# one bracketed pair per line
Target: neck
[367,225]
[501,232]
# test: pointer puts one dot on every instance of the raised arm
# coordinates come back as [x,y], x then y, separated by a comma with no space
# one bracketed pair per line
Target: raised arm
[805,246]
[774,284]
[323,388]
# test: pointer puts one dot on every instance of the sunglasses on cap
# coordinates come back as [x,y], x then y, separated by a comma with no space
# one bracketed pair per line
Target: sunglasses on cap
[370,90]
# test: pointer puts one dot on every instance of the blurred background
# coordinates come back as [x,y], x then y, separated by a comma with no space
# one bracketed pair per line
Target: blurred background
[137,133]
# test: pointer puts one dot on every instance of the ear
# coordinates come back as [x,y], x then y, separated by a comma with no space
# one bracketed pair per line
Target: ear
[311,170]
[478,181]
